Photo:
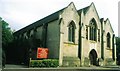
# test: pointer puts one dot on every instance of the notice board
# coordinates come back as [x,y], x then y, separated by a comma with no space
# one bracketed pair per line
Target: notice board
[42,52]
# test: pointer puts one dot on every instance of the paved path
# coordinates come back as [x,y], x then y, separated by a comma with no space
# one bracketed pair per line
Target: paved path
[60,69]
[20,68]
[15,66]
[10,67]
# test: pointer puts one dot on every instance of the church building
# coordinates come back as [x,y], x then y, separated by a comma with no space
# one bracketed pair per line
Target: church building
[74,37]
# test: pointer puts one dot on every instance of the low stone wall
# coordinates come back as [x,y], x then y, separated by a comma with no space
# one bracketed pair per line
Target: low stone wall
[71,62]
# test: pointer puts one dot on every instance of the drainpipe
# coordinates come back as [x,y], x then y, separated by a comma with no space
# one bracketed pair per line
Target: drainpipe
[102,46]
[79,46]
[102,39]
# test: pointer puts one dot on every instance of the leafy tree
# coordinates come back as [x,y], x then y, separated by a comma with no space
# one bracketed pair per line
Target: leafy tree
[6,39]
[7,36]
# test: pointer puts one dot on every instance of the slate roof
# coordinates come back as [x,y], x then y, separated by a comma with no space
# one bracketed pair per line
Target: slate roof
[109,24]
[45,20]
[40,22]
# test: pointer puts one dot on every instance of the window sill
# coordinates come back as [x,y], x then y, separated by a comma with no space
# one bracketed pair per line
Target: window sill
[73,43]
[93,41]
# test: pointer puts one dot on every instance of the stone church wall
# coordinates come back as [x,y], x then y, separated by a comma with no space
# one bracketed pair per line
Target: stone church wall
[69,50]
[53,39]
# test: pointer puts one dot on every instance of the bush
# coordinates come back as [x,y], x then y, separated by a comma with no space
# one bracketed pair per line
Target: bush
[44,63]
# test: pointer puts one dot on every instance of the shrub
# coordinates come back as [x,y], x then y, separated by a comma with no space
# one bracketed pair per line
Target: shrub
[44,63]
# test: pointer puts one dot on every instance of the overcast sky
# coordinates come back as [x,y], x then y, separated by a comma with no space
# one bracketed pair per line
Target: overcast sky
[20,13]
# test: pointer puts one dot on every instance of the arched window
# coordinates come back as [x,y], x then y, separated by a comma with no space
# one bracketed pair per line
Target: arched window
[108,40]
[93,30]
[71,32]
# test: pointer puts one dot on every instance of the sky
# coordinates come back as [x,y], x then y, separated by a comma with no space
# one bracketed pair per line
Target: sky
[20,13]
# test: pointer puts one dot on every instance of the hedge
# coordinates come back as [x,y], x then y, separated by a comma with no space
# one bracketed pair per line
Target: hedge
[44,63]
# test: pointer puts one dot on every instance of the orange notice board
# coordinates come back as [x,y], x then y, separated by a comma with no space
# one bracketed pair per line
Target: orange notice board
[42,53]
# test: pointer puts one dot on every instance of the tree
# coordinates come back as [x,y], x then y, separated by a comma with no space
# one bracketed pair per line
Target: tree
[7,36]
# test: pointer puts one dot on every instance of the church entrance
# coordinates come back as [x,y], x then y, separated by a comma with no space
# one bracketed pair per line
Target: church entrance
[93,57]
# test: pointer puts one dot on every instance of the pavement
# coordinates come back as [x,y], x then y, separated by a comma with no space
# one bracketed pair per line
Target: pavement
[15,66]
[92,68]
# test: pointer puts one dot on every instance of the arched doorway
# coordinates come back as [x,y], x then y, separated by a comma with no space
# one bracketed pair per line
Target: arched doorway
[93,57]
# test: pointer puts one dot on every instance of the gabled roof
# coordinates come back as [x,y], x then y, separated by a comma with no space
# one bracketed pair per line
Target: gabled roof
[107,20]
[40,22]
[50,18]
[86,9]
[47,19]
